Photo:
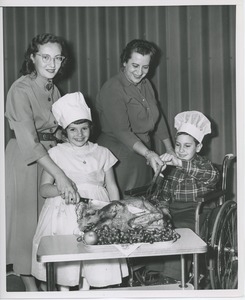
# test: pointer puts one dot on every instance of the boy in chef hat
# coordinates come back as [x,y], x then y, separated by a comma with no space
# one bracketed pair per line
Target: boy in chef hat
[189,175]
[194,123]
[191,127]
[90,167]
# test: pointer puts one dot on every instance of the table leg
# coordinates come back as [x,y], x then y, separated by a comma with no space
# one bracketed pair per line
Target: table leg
[182,258]
[196,271]
[50,276]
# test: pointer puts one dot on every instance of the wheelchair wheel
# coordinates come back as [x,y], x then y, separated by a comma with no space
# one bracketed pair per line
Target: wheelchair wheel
[223,260]
[206,231]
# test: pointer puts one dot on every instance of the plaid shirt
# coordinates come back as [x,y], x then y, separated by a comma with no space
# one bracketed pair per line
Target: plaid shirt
[196,177]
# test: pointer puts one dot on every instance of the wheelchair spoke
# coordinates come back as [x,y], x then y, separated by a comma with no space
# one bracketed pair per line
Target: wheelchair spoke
[223,271]
[223,261]
[227,257]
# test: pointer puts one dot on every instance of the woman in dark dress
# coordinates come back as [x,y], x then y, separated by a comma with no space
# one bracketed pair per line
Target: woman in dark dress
[129,117]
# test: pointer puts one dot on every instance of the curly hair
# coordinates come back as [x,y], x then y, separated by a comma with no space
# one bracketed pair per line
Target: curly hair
[140,46]
[28,66]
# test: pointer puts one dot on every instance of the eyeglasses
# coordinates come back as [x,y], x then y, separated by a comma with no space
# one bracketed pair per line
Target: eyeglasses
[46,58]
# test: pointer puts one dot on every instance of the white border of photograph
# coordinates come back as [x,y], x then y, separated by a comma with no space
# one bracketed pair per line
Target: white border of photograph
[240,125]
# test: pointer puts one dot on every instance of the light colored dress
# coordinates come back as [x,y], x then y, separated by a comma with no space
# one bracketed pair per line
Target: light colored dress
[86,166]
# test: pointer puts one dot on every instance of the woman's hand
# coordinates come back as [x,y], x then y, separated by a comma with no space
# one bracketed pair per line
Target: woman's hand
[60,136]
[154,160]
[49,189]
[70,199]
[171,160]
[67,189]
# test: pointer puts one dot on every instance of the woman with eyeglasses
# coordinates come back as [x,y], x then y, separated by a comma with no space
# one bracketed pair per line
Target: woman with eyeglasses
[28,110]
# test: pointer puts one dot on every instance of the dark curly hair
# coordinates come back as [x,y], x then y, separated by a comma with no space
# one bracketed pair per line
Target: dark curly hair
[28,66]
[140,46]
[185,133]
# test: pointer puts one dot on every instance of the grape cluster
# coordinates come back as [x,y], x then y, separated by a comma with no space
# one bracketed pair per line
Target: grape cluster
[107,235]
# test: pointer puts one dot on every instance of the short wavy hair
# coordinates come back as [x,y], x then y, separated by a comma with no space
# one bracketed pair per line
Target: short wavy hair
[185,133]
[28,66]
[80,121]
[140,46]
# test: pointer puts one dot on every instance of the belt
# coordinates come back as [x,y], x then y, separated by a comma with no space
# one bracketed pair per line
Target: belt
[46,136]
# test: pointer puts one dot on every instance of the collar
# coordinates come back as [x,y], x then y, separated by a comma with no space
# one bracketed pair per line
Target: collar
[41,81]
[49,85]
[89,147]
[126,82]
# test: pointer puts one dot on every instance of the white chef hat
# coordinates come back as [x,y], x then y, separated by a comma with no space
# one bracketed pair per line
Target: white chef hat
[70,108]
[193,123]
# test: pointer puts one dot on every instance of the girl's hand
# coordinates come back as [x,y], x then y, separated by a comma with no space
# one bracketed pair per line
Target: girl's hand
[171,160]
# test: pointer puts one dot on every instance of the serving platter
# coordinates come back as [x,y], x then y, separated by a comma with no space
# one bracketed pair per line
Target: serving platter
[126,249]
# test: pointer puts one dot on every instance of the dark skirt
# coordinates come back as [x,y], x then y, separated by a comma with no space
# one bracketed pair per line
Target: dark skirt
[23,205]
[131,170]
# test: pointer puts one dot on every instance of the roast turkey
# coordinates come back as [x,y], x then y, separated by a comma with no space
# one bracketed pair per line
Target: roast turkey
[122,214]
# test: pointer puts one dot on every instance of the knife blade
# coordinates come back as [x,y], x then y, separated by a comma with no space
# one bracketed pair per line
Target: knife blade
[84,200]
[97,204]
[100,204]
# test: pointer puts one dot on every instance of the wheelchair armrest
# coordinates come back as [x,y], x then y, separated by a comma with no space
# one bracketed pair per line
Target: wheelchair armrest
[210,196]
[200,201]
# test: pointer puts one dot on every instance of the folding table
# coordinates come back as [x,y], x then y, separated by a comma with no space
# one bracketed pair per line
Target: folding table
[66,248]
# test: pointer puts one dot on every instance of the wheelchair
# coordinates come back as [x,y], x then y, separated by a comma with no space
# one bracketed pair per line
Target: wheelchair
[218,230]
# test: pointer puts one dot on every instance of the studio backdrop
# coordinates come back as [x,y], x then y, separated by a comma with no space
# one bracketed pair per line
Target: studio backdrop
[195,71]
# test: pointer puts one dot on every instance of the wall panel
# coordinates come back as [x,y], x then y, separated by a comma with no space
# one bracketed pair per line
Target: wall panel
[197,64]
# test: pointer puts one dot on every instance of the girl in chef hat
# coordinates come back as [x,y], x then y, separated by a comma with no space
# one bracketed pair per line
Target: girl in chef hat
[189,175]
[90,166]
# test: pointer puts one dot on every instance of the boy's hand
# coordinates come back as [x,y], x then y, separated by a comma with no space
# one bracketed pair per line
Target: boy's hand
[171,160]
